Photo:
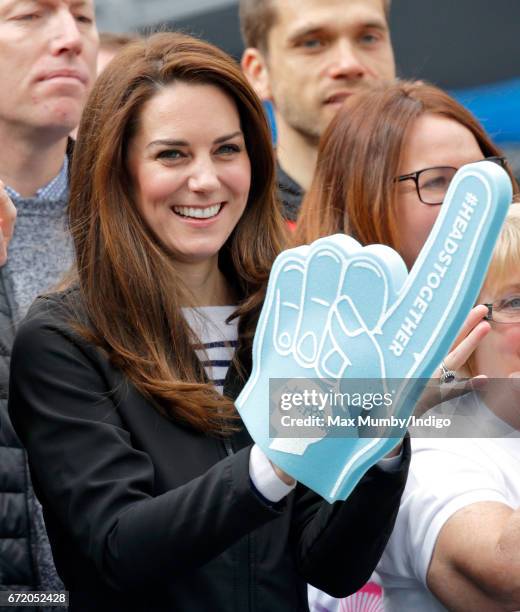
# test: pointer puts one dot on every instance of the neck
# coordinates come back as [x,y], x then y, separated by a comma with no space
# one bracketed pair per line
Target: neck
[30,161]
[206,283]
[297,154]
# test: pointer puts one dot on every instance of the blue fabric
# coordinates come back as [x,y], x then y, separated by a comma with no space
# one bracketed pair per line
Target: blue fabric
[496,106]
[268,106]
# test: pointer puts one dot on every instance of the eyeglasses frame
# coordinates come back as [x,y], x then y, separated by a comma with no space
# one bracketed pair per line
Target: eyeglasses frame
[490,319]
[414,176]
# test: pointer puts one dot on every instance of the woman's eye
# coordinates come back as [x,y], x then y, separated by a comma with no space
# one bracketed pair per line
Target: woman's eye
[512,303]
[170,154]
[439,182]
[228,149]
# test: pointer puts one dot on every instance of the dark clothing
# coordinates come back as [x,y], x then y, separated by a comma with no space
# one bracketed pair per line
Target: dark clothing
[290,194]
[16,568]
[144,513]
[25,556]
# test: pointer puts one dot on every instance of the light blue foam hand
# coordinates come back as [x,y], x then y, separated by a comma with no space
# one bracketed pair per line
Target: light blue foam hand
[336,310]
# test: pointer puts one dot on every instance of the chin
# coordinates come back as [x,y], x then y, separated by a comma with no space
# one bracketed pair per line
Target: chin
[193,258]
[65,113]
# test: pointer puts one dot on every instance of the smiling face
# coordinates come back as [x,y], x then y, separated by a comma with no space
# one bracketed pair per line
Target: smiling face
[191,169]
[321,51]
[433,140]
[47,61]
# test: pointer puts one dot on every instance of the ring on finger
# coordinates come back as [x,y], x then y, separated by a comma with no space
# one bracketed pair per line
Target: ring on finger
[447,375]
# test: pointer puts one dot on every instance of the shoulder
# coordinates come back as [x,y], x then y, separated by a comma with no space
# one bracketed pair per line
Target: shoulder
[51,317]
[450,471]
[55,307]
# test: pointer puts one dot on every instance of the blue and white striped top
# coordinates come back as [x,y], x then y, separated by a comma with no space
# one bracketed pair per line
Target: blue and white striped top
[218,339]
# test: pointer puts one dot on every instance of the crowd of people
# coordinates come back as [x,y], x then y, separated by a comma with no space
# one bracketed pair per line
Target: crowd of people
[135,252]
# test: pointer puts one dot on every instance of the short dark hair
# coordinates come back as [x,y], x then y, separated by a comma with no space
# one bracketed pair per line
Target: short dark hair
[257,17]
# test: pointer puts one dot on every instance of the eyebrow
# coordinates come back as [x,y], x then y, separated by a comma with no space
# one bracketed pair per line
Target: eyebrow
[184,143]
[81,4]
[509,288]
[309,30]
[14,4]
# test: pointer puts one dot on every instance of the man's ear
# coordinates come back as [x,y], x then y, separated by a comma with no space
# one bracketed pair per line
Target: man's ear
[255,68]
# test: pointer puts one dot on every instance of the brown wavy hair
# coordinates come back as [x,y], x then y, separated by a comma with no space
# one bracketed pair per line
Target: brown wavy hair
[353,190]
[128,284]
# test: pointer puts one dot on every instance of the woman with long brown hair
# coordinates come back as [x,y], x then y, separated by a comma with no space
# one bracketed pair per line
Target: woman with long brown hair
[122,385]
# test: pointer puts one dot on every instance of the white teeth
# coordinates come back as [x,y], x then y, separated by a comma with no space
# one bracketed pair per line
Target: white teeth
[198,213]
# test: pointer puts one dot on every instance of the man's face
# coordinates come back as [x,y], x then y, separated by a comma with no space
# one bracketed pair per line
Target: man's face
[48,54]
[321,51]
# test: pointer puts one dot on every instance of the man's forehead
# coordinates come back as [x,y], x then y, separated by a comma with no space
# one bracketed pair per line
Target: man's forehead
[289,12]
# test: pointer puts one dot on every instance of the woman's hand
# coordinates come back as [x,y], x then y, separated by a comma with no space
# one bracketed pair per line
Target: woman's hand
[7,219]
[472,332]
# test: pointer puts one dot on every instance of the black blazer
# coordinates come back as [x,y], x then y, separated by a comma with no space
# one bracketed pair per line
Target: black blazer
[146,514]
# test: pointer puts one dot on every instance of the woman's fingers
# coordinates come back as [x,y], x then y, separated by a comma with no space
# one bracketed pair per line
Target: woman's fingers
[476,314]
[472,332]
[464,349]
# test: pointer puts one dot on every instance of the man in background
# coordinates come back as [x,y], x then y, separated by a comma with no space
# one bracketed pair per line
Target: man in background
[307,57]
[48,54]
[110,44]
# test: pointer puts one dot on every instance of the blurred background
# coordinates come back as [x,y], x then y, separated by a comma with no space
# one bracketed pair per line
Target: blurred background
[470,47]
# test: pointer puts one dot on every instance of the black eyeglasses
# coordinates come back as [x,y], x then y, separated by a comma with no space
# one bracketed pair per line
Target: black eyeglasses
[504,311]
[432,183]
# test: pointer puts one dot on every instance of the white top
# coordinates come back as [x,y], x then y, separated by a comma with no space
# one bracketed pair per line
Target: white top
[218,339]
[446,475]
